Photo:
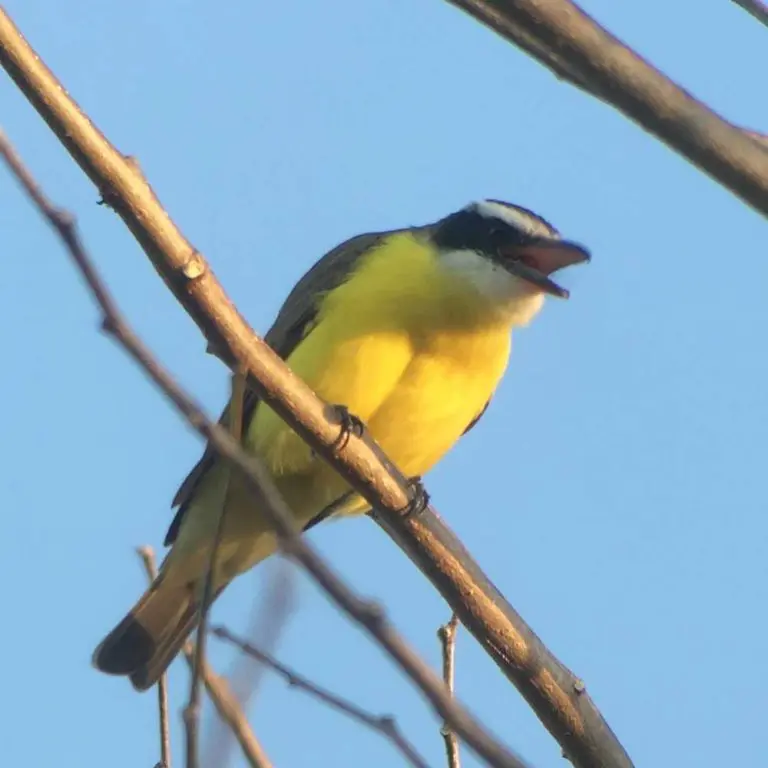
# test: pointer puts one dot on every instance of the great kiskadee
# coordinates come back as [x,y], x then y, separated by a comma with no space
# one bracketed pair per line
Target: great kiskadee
[410,331]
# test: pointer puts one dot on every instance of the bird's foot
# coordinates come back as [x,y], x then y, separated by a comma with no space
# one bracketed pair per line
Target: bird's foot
[349,424]
[418,498]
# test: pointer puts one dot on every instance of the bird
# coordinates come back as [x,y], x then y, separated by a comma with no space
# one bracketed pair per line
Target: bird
[409,332]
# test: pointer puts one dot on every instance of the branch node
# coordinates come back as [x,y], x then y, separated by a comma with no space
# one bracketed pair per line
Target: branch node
[194,268]
[374,613]
[110,198]
[133,162]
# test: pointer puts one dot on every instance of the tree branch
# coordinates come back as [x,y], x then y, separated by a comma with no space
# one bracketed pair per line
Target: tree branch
[226,704]
[192,710]
[369,616]
[148,559]
[558,34]
[382,724]
[557,697]
[268,620]
[756,9]
[447,636]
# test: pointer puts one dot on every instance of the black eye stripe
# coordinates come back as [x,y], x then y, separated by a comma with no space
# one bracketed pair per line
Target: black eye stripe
[469,230]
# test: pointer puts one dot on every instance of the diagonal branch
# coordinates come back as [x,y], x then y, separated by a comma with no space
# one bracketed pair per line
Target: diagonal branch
[566,40]
[382,724]
[557,697]
[368,615]
[756,9]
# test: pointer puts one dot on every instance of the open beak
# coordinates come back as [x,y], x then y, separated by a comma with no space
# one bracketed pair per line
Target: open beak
[536,260]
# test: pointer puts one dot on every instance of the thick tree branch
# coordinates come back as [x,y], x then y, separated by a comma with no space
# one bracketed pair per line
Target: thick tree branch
[265,494]
[566,40]
[558,698]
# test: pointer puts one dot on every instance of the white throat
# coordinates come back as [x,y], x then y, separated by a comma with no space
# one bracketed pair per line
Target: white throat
[515,299]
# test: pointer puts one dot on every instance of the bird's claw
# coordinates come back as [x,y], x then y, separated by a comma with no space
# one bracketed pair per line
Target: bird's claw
[349,424]
[418,498]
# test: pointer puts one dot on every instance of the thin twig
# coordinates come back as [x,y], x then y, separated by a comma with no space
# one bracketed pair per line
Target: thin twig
[756,9]
[148,558]
[368,615]
[555,694]
[192,710]
[385,725]
[268,619]
[447,636]
[224,701]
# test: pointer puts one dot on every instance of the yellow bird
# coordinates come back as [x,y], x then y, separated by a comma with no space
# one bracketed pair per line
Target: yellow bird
[410,331]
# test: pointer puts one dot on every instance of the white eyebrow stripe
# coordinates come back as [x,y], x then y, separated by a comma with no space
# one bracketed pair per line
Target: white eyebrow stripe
[515,218]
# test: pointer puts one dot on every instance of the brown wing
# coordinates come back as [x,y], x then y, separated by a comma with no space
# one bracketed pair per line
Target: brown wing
[294,321]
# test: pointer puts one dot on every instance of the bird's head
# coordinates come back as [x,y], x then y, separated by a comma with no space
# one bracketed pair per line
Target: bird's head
[507,253]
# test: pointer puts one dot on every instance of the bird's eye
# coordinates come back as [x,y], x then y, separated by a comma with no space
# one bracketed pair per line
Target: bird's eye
[497,235]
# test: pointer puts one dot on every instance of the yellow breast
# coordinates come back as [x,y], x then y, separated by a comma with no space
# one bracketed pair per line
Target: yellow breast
[407,347]
[445,386]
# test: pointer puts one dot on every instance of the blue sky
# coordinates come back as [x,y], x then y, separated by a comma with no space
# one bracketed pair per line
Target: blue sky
[614,491]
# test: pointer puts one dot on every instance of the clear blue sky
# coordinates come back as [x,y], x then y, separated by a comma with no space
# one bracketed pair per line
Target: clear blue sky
[615,490]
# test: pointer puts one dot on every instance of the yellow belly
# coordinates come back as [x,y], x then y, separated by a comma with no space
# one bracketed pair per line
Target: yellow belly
[416,400]
[409,349]
[444,387]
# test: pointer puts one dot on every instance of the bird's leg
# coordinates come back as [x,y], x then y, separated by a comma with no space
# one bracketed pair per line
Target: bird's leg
[418,498]
[348,424]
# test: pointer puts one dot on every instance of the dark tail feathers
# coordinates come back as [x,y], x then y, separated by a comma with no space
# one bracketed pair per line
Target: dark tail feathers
[145,642]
